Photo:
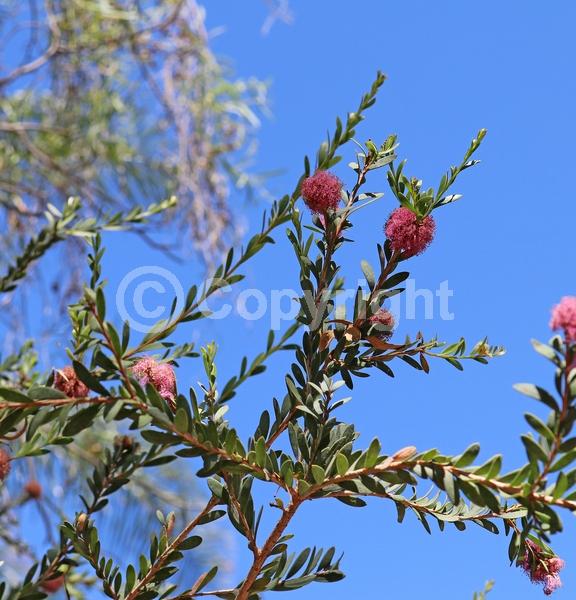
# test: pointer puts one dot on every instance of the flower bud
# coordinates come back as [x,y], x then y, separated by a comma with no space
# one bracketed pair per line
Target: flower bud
[405,453]
[125,442]
[50,586]
[4,464]
[33,489]
[81,522]
[170,523]
[325,338]
[67,381]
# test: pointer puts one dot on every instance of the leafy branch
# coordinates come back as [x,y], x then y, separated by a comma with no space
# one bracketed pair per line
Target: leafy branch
[67,223]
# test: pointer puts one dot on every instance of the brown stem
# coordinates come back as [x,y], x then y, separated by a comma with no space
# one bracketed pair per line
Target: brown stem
[65,401]
[282,427]
[333,240]
[398,465]
[389,268]
[117,356]
[161,560]
[215,451]
[419,508]
[264,552]
[558,437]
[252,545]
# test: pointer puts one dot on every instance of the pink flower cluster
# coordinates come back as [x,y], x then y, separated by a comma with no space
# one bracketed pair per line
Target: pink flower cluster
[322,191]
[159,375]
[383,324]
[564,317]
[542,569]
[407,233]
[66,381]
[4,464]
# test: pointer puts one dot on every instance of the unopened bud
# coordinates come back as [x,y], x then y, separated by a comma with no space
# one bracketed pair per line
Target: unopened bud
[325,338]
[67,381]
[171,519]
[125,442]
[81,522]
[4,464]
[33,489]
[52,585]
[405,453]
[353,334]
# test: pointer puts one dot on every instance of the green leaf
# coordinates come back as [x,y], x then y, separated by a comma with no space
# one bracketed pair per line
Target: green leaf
[298,563]
[40,392]
[287,473]
[260,450]
[159,437]
[206,578]
[352,501]
[372,453]
[100,304]
[467,457]
[215,487]
[81,420]
[545,350]
[13,396]
[368,273]
[450,487]
[190,543]
[539,426]
[564,461]
[490,468]
[318,473]
[561,486]
[181,421]
[130,578]
[341,464]
[395,279]
[533,391]
[533,450]
[211,516]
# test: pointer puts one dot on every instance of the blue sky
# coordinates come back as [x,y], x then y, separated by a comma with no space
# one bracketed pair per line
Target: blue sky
[505,249]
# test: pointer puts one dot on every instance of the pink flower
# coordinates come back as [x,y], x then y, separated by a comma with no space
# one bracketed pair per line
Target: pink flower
[159,375]
[564,317]
[556,564]
[322,191]
[4,464]
[551,583]
[66,381]
[383,324]
[542,569]
[408,233]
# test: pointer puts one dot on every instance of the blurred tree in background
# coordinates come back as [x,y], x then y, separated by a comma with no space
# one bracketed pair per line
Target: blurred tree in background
[119,103]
